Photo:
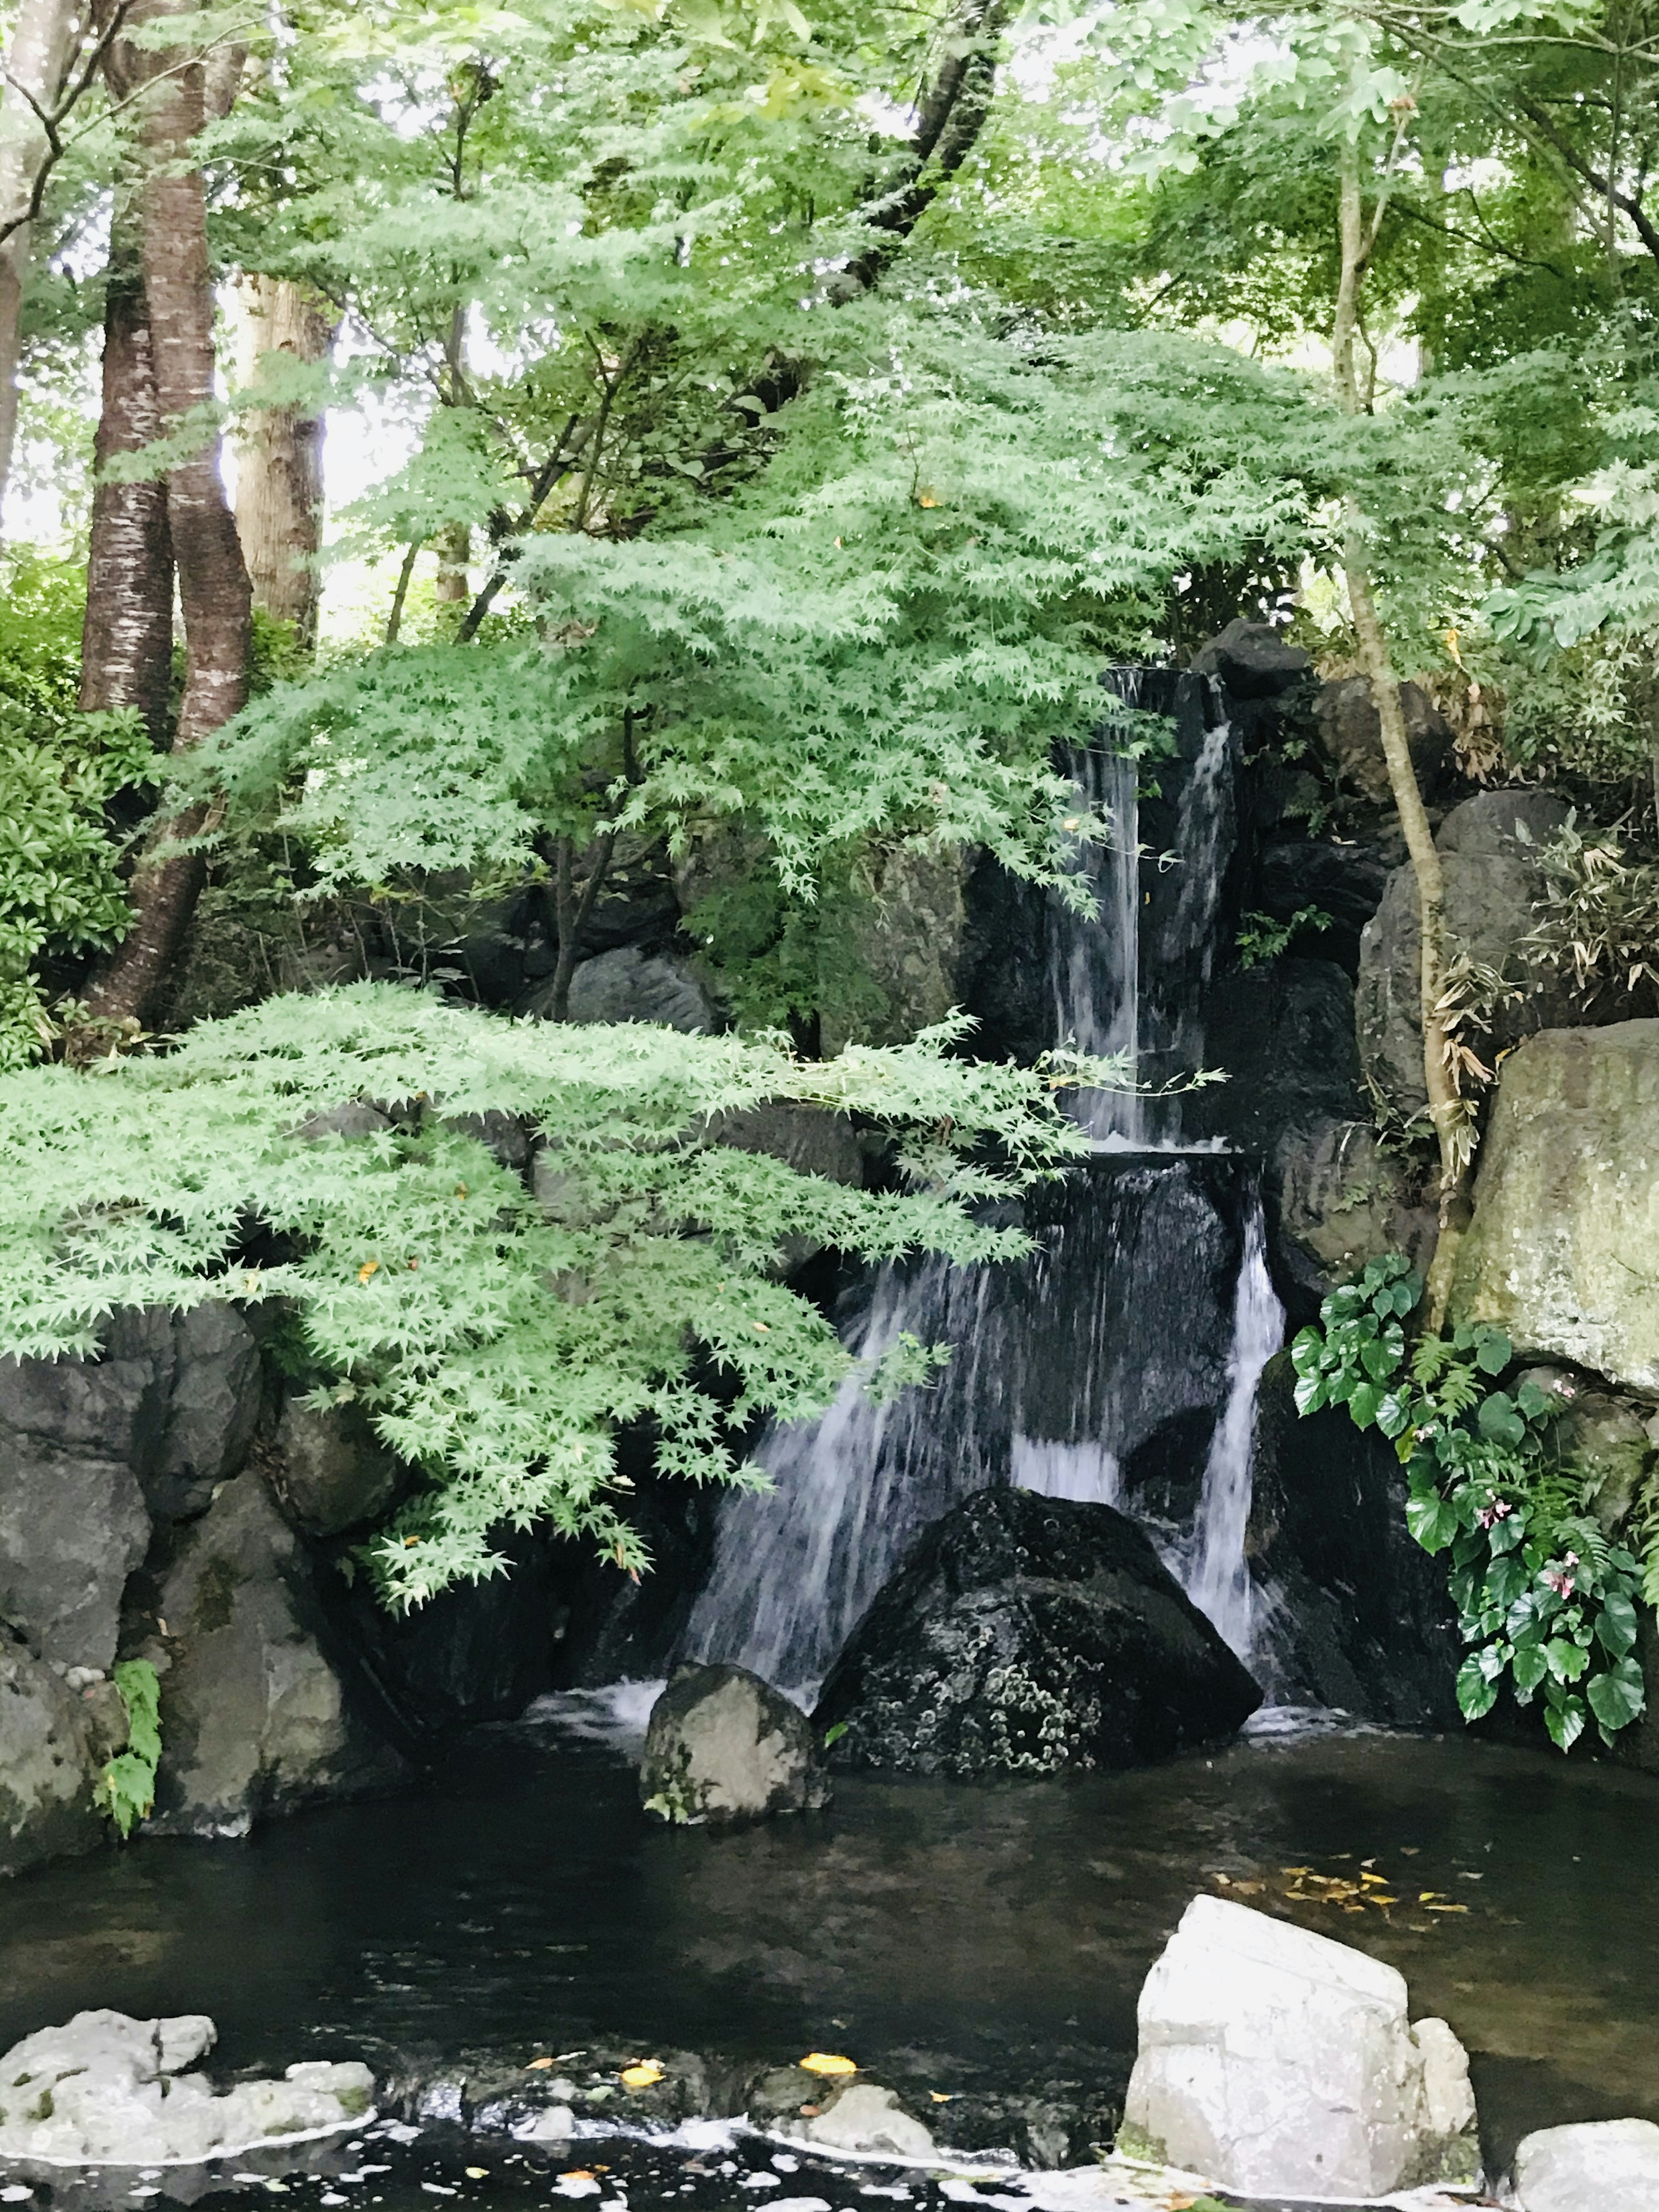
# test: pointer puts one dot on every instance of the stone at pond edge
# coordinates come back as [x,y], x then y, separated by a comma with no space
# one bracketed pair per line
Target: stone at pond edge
[46,1809]
[1563,1250]
[1600,2165]
[1024,1634]
[254,1719]
[105,2089]
[722,1745]
[867,2119]
[1275,2061]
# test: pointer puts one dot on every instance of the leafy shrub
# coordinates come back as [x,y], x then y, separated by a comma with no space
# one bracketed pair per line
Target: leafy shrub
[499,1339]
[1599,919]
[1540,1592]
[126,1787]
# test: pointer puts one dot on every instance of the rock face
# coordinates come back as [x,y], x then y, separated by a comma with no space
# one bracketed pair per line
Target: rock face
[253,1717]
[631,985]
[329,1471]
[1360,1617]
[1024,1634]
[1351,733]
[108,2090]
[1252,660]
[214,1403]
[73,1523]
[910,943]
[722,1746]
[1563,1250]
[1589,2168]
[1493,878]
[1274,2061]
[45,1764]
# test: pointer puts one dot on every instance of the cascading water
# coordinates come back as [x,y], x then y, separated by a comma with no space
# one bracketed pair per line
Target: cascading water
[1212,1566]
[1145,1307]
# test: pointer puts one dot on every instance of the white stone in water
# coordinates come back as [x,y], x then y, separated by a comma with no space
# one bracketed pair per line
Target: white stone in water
[112,2091]
[865,2118]
[1275,2061]
[557,2123]
[1592,2167]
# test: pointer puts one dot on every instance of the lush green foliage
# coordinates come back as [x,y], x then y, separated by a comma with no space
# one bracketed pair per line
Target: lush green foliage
[126,1787]
[498,1337]
[1542,1593]
[59,891]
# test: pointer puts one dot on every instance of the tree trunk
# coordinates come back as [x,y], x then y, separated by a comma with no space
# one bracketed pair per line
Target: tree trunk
[1448,1112]
[126,643]
[279,463]
[36,61]
[213,585]
[454,552]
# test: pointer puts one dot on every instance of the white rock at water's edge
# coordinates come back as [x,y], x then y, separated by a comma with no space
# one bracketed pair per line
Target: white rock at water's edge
[1278,2062]
[107,2090]
[1600,2165]
[866,2120]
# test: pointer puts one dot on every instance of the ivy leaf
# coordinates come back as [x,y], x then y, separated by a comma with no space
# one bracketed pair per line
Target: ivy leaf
[1616,1625]
[1534,1403]
[1566,1722]
[1618,1697]
[1492,1352]
[1528,1666]
[1476,1693]
[1363,1402]
[1497,1420]
[1311,1393]
[1432,1521]
[1567,1660]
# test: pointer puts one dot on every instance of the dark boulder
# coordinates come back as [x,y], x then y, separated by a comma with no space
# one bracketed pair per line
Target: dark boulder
[1024,1634]
[1252,660]
[1350,730]
[1345,882]
[1359,1614]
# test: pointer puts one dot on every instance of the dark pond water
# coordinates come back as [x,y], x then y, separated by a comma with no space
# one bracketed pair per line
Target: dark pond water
[951,1939]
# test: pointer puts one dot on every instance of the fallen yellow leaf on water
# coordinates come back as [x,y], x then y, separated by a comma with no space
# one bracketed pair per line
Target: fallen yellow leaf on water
[640,2076]
[535,2063]
[826,2061]
[940,2096]
[578,2174]
[477,2172]
[1301,1870]
[1445,1908]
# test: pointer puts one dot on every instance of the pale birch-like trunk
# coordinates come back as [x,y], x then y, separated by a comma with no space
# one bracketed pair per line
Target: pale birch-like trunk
[1447,1110]
[36,59]
[279,460]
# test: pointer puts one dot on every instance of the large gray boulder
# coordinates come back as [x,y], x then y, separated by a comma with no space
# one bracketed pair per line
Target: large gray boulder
[1592,2167]
[722,1745]
[1494,878]
[1026,1634]
[254,1719]
[46,1764]
[329,1471]
[1276,2061]
[1563,1250]
[108,2090]
[73,1523]
[215,1398]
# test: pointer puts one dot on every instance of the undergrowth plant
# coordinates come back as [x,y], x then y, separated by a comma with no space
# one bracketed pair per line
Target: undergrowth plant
[500,1336]
[126,1787]
[1543,1594]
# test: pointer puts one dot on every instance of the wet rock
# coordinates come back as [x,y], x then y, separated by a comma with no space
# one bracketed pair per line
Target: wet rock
[1494,879]
[73,1524]
[870,2120]
[504,1136]
[722,1745]
[1563,1250]
[627,985]
[910,940]
[329,1471]
[1343,1200]
[809,1139]
[1351,733]
[1589,2168]
[1359,1617]
[356,1118]
[1345,882]
[1606,1438]
[1253,660]
[1273,2060]
[254,1719]
[1024,1634]
[215,1399]
[46,1766]
[109,2090]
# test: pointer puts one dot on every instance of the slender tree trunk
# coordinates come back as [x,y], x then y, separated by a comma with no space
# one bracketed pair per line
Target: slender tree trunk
[35,62]
[454,552]
[214,591]
[126,644]
[1448,1112]
[279,463]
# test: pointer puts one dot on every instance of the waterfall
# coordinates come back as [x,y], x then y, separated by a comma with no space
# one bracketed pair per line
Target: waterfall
[1212,1567]
[1093,964]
